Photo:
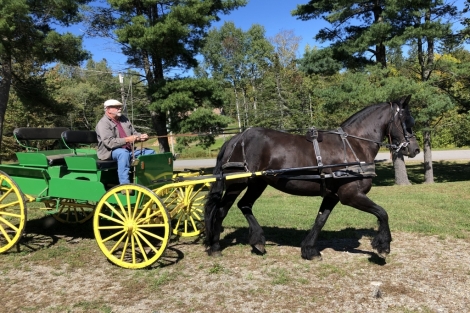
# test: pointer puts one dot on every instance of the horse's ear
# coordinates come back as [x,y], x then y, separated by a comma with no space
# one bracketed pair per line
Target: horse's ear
[405,101]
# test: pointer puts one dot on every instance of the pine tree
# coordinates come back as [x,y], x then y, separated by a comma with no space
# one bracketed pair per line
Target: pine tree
[28,41]
[159,36]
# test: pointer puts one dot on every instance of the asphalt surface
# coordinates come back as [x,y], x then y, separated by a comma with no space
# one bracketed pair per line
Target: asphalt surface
[445,155]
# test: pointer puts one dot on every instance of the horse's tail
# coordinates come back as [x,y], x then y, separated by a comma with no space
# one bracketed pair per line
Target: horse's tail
[214,197]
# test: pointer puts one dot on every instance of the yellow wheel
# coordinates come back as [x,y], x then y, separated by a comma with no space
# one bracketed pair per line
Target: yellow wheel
[186,207]
[12,212]
[71,211]
[131,226]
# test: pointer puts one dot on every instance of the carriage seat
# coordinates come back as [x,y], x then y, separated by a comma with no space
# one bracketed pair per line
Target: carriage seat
[75,138]
[43,158]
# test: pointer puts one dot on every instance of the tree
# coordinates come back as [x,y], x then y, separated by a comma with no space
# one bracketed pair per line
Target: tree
[424,30]
[28,41]
[358,29]
[197,98]
[158,36]
[370,27]
[240,59]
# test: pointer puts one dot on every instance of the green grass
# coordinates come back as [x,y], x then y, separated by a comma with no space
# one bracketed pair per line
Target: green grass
[194,151]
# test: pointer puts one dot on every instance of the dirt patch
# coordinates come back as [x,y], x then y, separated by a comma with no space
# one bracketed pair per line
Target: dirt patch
[422,274]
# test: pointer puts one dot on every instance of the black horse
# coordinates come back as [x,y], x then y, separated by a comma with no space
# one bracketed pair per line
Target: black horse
[337,165]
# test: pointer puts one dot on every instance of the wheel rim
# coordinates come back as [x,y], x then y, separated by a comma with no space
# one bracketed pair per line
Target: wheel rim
[186,207]
[131,230]
[12,213]
[70,211]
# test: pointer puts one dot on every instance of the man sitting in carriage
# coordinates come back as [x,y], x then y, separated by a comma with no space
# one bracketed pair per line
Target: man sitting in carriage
[116,138]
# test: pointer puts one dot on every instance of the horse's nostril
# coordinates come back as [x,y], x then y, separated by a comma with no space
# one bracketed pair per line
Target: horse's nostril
[417,151]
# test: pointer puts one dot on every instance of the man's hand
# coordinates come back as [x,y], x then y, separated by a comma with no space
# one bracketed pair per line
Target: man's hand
[133,138]
[143,137]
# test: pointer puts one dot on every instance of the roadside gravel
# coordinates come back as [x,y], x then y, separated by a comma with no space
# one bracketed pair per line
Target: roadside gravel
[422,274]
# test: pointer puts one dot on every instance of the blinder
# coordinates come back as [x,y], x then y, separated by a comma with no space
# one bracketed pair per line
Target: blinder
[406,124]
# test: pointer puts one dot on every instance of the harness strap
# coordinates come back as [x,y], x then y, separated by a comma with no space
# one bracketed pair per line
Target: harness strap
[345,141]
[238,164]
[316,147]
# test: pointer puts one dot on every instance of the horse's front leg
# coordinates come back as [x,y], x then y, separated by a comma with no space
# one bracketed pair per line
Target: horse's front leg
[255,233]
[309,249]
[381,242]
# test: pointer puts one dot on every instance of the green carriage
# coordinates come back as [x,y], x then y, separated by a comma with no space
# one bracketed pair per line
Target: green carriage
[132,223]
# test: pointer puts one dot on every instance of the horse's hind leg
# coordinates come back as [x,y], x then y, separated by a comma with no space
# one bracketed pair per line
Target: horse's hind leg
[256,235]
[309,249]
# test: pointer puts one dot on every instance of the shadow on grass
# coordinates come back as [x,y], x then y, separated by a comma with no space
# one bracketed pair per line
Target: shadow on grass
[345,240]
[444,171]
[45,232]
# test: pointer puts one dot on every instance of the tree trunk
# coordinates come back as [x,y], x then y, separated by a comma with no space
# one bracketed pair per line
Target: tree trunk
[237,105]
[428,171]
[5,84]
[159,124]
[401,176]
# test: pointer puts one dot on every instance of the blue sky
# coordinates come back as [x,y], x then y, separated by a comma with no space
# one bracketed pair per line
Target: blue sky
[274,15]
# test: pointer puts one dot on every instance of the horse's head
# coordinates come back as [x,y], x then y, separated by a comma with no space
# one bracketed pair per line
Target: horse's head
[400,129]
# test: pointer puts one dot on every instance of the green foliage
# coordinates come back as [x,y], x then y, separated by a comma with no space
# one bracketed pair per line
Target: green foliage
[319,61]
[28,42]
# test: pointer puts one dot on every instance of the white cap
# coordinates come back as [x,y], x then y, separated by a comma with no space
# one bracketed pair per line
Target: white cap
[111,102]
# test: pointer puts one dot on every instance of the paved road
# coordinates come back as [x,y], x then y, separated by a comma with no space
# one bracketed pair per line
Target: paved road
[436,156]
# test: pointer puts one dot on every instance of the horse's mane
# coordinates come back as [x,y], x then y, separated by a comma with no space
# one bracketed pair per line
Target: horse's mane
[362,114]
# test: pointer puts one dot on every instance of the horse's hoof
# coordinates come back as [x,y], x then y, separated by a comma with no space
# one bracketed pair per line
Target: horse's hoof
[259,249]
[383,255]
[313,257]
[214,253]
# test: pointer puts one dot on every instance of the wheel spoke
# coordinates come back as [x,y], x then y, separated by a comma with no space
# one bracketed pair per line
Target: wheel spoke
[6,193]
[152,234]
[133,249]
[149,244]
[14,215]
[148,217]
[193,222]
[110,227]
[111,219]
[8,205]
[139,243]
[124,248]
[115,235]
[112,208]
[8,224]
[5,234]
[137,204]
[120,206]
[144,210]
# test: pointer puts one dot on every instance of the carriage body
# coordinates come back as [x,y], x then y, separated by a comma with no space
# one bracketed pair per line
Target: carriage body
[75,186]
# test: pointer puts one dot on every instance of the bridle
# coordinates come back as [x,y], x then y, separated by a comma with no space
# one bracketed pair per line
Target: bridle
[404,143]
